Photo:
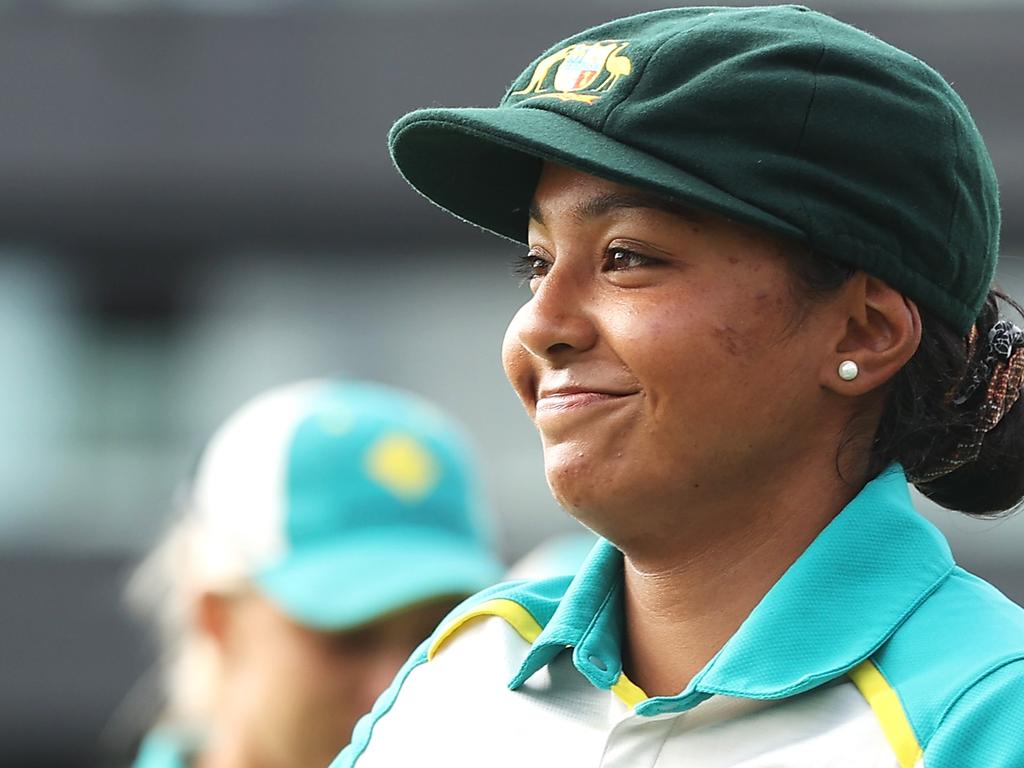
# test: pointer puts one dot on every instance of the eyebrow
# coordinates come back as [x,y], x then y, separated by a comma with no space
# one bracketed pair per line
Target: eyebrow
[601,205]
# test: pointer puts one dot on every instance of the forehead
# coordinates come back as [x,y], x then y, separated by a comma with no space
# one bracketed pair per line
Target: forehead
[562,191]
[564,195]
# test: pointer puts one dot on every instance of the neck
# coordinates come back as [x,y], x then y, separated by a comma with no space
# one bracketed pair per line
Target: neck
[686,595]
[228,749]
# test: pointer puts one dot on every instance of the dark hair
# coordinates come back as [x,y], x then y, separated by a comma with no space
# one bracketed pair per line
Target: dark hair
[920,426]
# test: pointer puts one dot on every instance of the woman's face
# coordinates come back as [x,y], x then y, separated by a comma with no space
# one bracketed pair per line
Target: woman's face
[663,355]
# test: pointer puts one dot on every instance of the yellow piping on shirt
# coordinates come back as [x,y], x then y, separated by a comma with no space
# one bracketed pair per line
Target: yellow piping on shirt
[628,692]
[886,705]
[520,619]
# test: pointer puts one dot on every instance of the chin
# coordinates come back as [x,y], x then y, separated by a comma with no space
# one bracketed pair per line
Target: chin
[584,488]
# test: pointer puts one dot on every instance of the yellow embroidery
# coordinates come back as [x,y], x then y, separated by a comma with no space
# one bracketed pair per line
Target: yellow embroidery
[540,74]
[578,72]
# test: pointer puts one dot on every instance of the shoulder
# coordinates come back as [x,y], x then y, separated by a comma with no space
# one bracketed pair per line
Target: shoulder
[484,639]
[957,664]
[526,606]
[982,726]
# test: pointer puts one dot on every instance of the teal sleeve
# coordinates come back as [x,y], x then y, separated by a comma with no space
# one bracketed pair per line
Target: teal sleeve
[364,728]
[985,725]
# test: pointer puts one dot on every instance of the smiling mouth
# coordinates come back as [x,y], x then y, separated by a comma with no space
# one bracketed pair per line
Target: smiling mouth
[566,401]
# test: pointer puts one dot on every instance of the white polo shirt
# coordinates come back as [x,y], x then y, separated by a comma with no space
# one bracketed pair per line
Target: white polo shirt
[874,650]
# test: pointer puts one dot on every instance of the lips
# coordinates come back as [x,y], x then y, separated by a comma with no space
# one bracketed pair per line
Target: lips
[569,398]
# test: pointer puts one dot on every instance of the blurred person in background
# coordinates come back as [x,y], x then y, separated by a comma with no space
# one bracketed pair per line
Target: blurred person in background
[555,556]
[329,527]
[760,246]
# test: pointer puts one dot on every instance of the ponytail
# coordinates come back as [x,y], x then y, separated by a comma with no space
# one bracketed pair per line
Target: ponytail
[950,417]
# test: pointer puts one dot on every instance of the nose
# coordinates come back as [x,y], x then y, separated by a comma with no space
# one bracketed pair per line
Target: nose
[558,320]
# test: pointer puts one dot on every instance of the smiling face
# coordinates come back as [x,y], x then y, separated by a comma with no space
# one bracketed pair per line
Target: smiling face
[664,356]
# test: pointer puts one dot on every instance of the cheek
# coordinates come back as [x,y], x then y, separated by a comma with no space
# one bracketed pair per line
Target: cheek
[318,686]
[310,710]
[661,344]
[515,359]
[698,352]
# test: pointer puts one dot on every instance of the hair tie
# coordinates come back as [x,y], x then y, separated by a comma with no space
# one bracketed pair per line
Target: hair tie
[1003,339]
[1001,372]
[1006,345]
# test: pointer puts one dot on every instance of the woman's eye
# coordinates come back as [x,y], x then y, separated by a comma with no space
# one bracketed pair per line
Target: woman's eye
[623,258]
[530,265]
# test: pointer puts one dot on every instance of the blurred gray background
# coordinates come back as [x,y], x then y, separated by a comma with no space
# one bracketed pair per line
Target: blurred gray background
[196,203]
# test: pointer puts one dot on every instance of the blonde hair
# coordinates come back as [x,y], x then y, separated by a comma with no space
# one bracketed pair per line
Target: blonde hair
[164,591]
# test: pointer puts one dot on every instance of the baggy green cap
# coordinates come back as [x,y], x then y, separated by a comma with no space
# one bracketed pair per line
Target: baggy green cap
[776,116]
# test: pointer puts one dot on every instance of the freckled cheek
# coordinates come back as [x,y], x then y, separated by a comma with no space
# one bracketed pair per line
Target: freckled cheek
[674,354]
[757,317]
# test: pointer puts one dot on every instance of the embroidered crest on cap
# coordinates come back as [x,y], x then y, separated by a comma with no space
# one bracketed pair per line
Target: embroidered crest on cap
[404,466]
[581,72]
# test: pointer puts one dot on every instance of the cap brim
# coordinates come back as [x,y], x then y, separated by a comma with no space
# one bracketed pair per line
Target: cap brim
[482,165]
[351,582]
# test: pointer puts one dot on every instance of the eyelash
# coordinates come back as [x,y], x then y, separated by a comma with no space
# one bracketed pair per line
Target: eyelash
[526,266]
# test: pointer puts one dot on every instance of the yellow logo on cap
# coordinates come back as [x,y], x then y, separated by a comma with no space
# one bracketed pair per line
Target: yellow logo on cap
[576,70]
[404,466]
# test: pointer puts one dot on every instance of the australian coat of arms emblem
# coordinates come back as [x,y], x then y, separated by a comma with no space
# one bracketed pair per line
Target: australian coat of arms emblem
[580,72]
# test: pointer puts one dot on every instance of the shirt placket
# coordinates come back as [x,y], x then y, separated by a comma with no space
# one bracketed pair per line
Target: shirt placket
[635,741]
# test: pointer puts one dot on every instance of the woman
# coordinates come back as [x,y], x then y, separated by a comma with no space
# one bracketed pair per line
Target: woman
[330,525]
[760,246]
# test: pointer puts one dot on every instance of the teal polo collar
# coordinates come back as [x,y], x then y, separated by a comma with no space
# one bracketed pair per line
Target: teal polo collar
[588,619]
[842,599]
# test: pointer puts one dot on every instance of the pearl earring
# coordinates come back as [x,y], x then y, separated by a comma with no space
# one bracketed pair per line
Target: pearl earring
[848,370]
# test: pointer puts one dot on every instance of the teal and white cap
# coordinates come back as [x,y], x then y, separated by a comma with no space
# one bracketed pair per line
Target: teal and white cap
[341,502]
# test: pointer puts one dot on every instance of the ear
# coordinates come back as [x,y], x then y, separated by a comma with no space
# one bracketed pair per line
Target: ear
[213,617]
[882,332]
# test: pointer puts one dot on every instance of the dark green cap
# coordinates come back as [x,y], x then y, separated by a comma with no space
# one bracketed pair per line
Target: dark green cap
[777,116]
